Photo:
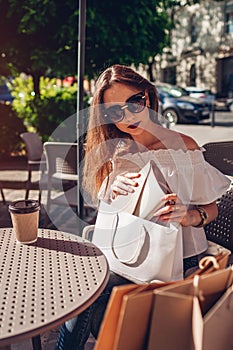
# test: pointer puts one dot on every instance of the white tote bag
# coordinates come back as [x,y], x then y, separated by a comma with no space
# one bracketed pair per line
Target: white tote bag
[146,198]
[136,248]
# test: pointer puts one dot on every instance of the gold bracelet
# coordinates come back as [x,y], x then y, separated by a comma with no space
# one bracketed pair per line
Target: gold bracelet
[203,215]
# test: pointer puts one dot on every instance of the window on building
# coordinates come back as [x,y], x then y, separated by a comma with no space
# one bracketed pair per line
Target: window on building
[192,75]
[193,29]
[229,17]
[229,22]
[169,75]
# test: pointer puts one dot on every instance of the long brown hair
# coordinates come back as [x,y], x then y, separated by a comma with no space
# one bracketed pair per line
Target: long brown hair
[103,137]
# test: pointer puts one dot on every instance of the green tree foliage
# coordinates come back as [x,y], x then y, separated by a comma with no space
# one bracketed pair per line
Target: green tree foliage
[40,36]
[45,112]
[126,32]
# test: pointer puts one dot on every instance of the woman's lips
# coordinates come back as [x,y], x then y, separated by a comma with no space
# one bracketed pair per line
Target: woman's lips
[134,126]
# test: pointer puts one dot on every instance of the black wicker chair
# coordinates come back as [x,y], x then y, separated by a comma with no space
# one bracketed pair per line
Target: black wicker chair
[220,155]
[220,230]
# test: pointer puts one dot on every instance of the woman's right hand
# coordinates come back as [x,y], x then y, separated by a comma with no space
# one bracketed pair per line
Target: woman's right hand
[124,183]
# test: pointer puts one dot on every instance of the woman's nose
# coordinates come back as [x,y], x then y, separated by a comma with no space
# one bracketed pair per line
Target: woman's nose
[129,116]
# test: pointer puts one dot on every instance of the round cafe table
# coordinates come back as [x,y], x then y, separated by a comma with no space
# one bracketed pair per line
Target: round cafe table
[46,283]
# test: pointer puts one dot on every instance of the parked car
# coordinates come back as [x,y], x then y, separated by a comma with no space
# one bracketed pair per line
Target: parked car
[225,104]
[230,104]
[197,92]
[204,94]
[178,107]
[5,94]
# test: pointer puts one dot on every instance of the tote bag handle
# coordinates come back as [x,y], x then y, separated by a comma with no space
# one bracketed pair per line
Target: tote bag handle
[134,258]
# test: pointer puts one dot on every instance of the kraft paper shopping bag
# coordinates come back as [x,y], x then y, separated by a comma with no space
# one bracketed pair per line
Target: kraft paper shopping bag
[217,324]
[109,324]
[183,312]
[127,317]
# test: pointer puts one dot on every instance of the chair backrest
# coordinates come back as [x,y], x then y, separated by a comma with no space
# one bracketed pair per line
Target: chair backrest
[34,145]
[61,157]
[220,155]
[220,230]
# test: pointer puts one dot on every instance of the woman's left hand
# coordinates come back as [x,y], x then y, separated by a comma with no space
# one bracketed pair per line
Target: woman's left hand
[173,211]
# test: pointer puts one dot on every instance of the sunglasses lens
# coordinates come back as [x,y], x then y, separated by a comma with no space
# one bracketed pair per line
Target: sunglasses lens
[137,103]
[134,104]
[116,114]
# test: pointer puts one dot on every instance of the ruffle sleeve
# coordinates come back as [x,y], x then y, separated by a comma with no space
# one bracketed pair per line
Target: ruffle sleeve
[208,184]
[187,173]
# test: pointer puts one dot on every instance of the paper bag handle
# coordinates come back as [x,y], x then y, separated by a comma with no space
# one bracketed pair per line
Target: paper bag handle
[206,261]
[133,259]
[198,293]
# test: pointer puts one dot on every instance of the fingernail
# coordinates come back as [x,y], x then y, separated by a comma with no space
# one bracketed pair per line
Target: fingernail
[130,189]
[170,202]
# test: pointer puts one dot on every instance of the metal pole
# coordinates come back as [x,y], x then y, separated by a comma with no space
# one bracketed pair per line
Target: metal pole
[213,113]
[80,94]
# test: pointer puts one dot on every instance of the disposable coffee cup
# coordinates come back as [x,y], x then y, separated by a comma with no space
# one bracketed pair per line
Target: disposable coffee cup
[25,219]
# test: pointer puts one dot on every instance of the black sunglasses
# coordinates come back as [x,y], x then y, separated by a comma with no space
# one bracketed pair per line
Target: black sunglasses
[135,104]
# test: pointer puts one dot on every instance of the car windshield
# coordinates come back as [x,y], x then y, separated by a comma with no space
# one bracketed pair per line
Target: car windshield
[172,91]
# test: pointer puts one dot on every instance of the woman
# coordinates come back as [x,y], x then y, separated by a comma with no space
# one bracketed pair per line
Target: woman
[123,135]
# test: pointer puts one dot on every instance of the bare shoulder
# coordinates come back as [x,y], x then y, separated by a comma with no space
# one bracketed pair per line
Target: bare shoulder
[189,142]
[172,139]
[177,140]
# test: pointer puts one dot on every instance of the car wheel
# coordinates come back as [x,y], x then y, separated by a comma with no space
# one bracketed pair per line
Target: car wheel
[171,116]
[231,107]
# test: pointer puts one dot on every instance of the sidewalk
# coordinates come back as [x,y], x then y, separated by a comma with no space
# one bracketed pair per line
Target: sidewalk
[206,133]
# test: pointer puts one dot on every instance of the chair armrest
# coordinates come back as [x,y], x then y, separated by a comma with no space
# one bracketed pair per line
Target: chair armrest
[87,232]
[214,248]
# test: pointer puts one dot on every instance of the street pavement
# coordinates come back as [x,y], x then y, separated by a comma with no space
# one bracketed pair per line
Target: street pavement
[15,175]
[208,131]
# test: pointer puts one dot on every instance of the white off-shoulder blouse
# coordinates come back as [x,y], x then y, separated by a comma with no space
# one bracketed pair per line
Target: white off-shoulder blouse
[188,175]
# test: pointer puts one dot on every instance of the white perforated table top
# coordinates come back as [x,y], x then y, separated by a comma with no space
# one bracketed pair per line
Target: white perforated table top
[46,283]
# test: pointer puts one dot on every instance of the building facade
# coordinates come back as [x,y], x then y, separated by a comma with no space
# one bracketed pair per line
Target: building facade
[201,51]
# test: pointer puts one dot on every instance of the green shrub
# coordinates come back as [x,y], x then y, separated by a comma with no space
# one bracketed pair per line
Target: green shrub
[10,129]
[46,112]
